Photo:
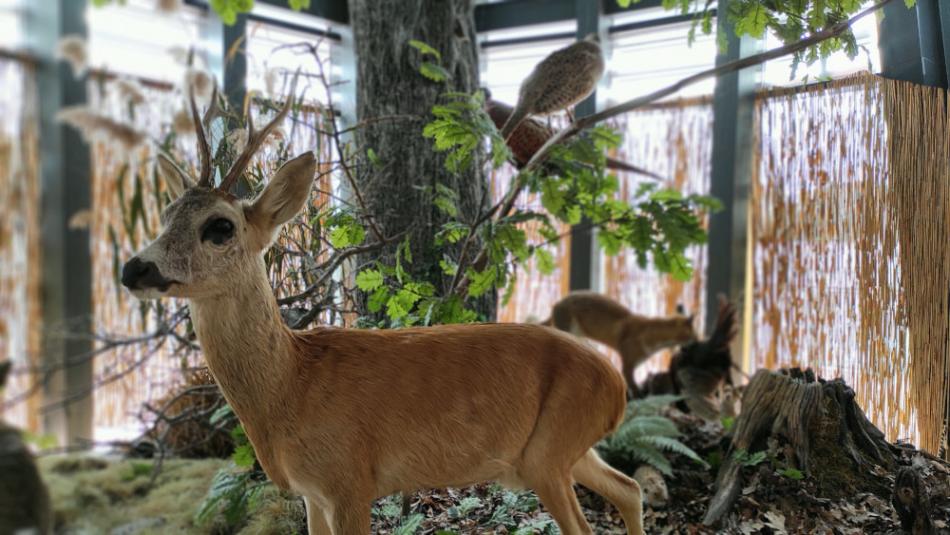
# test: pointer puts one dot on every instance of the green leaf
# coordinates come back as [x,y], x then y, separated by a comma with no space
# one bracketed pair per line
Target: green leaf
[425,48]
[433,71]
[544,261]
[409,525]
[244,456]
[369,280]
[481,282]
[298,5]
[792,473]
[228,10]
[378,299]
[345,231]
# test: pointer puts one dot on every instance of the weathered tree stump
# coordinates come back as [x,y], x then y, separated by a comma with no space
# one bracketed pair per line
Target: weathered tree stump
[826,432]
[912,503]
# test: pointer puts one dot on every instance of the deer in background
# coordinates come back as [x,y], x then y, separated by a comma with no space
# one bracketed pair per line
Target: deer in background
[635,337]
[343,416]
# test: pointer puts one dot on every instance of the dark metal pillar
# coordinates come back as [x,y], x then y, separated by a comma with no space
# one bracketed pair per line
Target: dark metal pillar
[234,49]
[582,251]
[67,275]
[913,42]
[733,112]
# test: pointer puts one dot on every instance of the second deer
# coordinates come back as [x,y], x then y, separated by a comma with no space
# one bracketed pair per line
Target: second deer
[635,337]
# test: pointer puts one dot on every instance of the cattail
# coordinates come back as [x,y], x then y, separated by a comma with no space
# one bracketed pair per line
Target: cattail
[99,128]
[72,49]
[168,6]
[182,124]
[80,220]
[130,91]
[200,81]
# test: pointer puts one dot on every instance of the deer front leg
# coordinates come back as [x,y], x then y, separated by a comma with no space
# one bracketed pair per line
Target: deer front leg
[316,519]
[349,514]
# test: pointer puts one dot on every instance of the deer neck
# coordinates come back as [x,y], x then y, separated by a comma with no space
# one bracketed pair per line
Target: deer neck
[652,334]
[248,348]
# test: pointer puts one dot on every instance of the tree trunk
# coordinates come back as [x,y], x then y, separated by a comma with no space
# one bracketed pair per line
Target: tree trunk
[398,188]
[817,426]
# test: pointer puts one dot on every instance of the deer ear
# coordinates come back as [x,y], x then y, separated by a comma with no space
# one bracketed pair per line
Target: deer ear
[282,198]
[176,179]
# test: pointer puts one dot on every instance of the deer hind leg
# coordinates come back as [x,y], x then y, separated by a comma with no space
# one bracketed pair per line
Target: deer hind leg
[557,495]
[350,517]
[620,490]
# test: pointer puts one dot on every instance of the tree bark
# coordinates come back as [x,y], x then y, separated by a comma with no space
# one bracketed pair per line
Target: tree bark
[826,432]
[398,189]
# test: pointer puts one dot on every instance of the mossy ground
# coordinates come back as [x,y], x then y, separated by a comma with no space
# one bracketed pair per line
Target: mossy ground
[100,495]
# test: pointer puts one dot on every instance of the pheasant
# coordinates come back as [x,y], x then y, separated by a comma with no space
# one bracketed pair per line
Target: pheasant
[562,79]
[528,137]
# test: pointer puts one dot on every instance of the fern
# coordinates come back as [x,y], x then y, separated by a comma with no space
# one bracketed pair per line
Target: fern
[646,437]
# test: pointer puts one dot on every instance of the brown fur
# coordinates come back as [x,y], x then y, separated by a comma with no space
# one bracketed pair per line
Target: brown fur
[344,416]
[635,337]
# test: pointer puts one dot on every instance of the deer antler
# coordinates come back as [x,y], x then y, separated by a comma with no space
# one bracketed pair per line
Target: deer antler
[204,150]
[255,138]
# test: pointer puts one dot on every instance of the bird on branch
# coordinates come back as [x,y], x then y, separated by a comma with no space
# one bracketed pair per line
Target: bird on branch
[529,136]
[561,80]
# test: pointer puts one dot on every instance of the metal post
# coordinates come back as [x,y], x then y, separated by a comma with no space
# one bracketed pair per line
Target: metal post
[234,52]
[733,126]
[67,274]
[582,250]
[913,42]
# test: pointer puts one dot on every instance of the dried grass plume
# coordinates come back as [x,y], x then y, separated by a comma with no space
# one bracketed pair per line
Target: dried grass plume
[72,49]
[96,127]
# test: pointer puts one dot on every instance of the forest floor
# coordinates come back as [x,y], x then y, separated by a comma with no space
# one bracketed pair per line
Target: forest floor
[114,496]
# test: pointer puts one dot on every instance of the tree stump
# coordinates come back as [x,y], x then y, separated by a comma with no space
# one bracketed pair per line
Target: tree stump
[826,433]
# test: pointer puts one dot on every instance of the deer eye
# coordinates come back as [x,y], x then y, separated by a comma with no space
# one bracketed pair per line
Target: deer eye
[218,231]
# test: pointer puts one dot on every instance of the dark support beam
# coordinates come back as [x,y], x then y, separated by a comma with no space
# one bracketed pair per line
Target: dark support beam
[332,10]
[733,128]
[913,45]
[515,13]
[582,251]
[67,273]
[234,48]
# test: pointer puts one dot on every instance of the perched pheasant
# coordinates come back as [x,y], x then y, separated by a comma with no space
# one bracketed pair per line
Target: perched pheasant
[529,136]
[560,81]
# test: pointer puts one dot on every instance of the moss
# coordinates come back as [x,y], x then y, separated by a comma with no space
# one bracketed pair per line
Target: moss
[96,495]
[837,474]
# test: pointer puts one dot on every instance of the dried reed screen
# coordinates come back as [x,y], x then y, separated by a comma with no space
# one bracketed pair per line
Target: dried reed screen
[674,140]
[20,267]
[851,253]
[534,292]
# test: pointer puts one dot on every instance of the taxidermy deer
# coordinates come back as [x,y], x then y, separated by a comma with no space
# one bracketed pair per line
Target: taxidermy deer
[343,416]
[598,317]
[24,500]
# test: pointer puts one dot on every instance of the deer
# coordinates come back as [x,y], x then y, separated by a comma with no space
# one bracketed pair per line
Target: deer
[343,416]
[598,317]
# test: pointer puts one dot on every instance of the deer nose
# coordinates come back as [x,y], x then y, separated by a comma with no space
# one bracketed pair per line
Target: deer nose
[139,275]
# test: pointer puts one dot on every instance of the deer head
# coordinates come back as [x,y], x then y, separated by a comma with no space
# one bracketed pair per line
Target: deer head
[210,237]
